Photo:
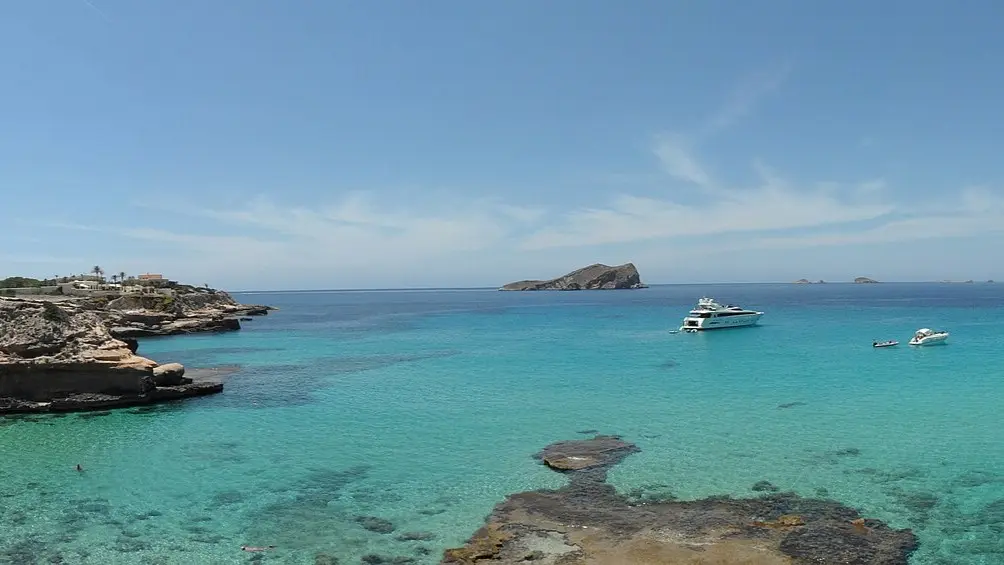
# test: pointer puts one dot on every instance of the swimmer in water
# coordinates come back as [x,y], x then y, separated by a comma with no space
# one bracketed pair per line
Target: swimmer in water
[253,548]
[79,468]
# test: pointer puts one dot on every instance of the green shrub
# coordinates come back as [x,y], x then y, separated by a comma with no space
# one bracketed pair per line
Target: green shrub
[20,282]
[52,312]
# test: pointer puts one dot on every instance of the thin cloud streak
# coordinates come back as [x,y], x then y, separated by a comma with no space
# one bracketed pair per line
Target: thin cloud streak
[97,10]
[774,205]
[678,162]
[751,90]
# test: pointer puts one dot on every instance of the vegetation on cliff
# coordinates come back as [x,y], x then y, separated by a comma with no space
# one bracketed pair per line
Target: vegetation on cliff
[593,277]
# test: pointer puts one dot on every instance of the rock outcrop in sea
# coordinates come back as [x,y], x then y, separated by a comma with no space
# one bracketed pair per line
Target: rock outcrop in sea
[62,357]
[587,521]
[864,280]
[593,277]
[187,310]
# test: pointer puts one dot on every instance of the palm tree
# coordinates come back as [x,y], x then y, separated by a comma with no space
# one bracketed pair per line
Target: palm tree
[115,278]
[97,272]
[122,276]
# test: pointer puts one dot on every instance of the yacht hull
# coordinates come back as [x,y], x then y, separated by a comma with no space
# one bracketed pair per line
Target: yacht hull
[930,340]
[721,322]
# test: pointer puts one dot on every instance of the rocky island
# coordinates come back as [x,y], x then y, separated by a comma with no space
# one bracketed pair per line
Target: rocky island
[864,280]
[587,521]
[61,357]
[593,277]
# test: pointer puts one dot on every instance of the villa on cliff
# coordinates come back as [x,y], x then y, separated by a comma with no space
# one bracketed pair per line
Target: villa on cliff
[93,286]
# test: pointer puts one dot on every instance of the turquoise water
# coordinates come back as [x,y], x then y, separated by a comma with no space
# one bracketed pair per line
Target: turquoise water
[423,409]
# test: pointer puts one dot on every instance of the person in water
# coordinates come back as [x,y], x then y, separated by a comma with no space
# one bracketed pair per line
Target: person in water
[79,468]
[254,548]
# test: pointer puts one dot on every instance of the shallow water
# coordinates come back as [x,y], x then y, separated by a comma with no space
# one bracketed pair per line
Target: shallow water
[418,411]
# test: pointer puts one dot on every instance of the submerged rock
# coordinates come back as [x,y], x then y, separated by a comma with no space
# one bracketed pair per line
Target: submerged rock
[764,486]
[593,277]
[601,453]
[375,524]
[587,521]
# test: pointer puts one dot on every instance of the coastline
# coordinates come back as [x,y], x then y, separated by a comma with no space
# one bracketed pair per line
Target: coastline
[72,353]
[587,521]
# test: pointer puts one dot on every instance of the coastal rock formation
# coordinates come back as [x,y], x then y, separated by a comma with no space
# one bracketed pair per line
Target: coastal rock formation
[587,521]
[61,356]
[864,280]
[187,310]
[593,277]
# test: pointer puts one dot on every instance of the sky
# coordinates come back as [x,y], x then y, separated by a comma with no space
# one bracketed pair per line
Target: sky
[312,144]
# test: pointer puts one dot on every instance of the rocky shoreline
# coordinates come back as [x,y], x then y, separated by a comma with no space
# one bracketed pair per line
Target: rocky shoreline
[197,310]
[587,521]
[79,354]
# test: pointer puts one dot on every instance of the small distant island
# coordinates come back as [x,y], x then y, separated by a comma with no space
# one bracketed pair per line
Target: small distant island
[864,280]
[807,281]
[68,343]
[593,277]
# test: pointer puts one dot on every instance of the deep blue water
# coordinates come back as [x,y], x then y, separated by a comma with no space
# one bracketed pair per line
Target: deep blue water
[423,408]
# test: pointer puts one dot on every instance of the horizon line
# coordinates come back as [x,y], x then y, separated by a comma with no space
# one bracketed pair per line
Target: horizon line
[495,288]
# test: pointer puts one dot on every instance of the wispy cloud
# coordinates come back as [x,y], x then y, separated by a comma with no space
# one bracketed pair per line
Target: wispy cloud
[359,236]
[980,212]
[675,150]
[360,239]
[677,160]
[773,205]
[750,91]
[97,10]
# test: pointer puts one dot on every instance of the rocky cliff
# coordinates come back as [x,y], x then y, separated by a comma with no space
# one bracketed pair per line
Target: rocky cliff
[187,310]
[61,356]
[593,277]
[864,280]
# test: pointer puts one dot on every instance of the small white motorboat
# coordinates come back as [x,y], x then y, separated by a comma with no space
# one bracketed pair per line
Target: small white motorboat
[887,343]
[927,336]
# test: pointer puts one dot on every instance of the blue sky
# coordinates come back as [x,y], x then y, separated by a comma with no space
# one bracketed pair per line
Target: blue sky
[330,144]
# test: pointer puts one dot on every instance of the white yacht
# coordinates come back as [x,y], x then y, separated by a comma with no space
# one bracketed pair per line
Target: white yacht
[927,336]
[710,315]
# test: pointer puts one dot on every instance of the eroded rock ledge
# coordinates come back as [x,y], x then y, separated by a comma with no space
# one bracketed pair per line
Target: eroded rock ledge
[56,357]
[587,521]
[188,310]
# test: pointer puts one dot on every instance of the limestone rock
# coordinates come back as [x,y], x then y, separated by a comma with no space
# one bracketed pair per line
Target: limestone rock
[170,374]
[601,451]
[588,521]
[63,357]
[593,277]
[864,280]
[188,310]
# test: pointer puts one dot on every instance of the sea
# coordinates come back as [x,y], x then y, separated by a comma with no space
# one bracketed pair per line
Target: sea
[383,426]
